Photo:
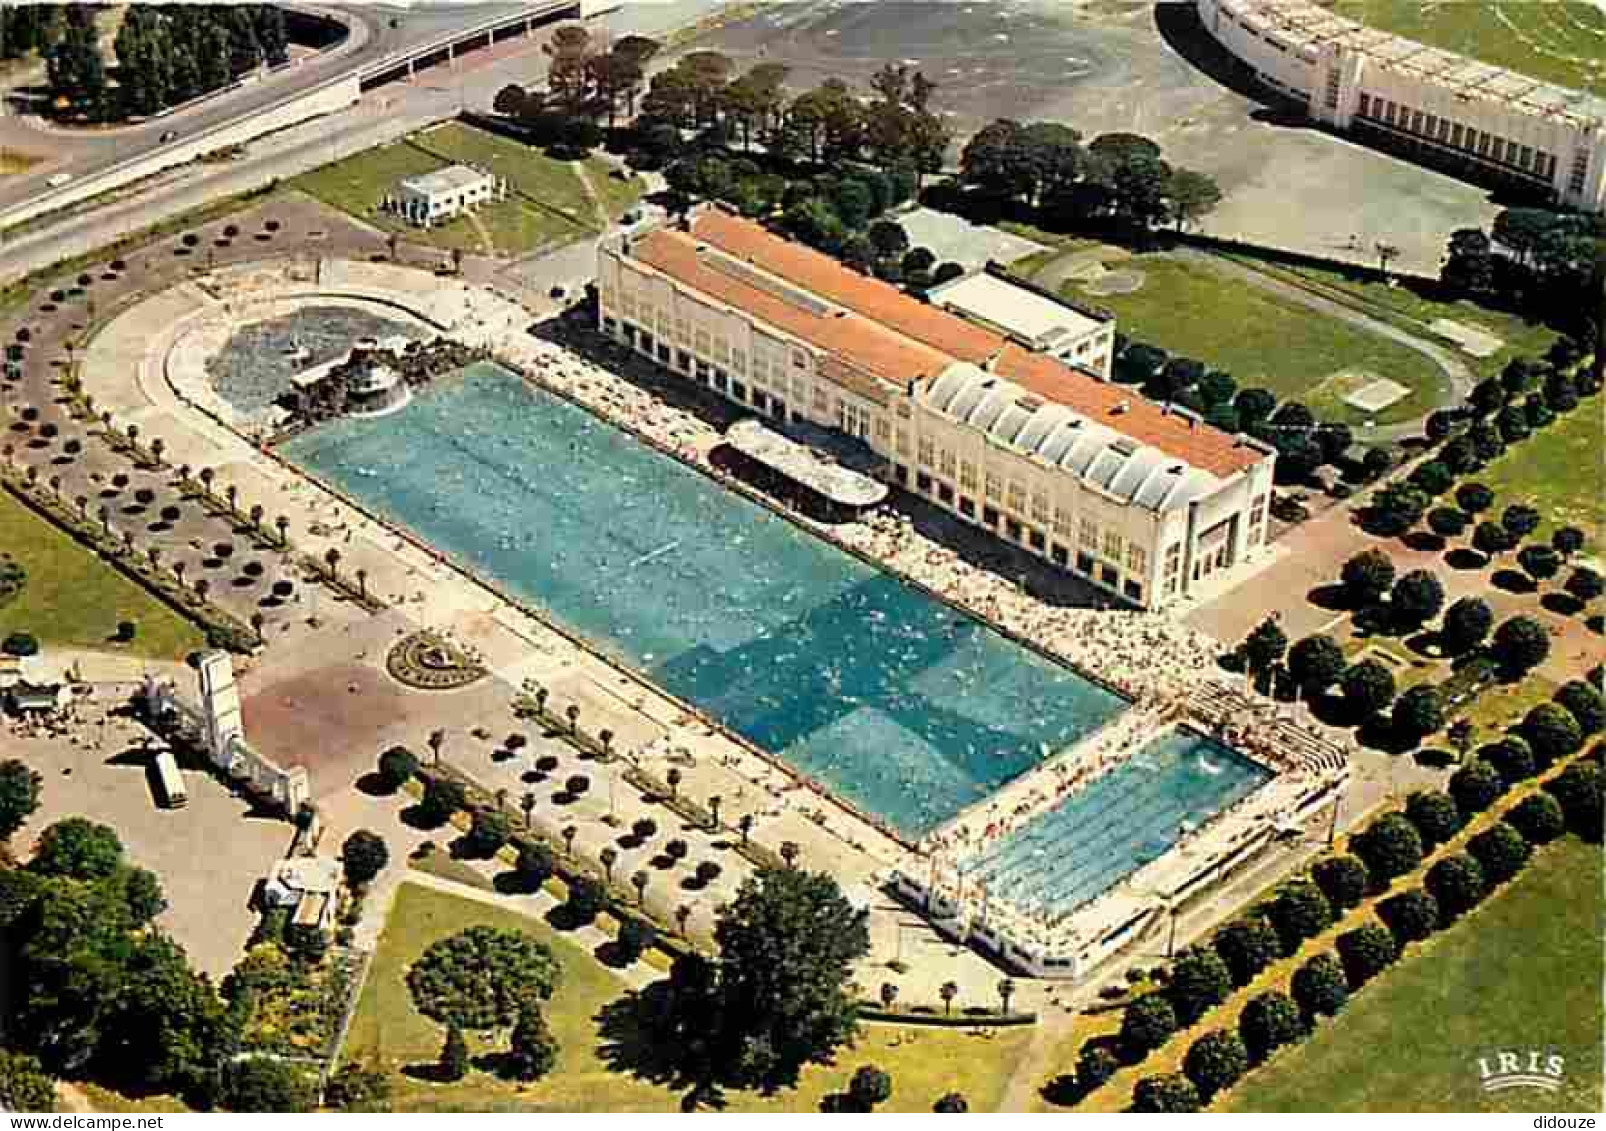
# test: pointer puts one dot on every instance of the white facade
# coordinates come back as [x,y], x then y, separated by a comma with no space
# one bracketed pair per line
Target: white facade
[434,198]
[1031,467]
[1035,319]
[1355,78]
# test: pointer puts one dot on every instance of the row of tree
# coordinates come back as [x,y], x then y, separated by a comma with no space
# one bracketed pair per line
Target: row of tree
[1117,176]
[1203,977]
[166,54]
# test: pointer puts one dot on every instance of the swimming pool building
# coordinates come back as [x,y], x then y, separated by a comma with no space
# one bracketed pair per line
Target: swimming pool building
[1143,500]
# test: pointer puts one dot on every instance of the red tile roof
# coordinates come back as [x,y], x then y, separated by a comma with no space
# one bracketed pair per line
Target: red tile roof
[900,339]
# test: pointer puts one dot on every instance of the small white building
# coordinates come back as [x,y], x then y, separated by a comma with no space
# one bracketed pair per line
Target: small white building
[1038,321]
[308,887]
[434,198]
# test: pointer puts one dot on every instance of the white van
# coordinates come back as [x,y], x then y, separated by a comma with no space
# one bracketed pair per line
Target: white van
[171,779]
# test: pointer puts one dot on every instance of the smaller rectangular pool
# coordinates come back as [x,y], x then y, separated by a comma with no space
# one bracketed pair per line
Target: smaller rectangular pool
[1117,823]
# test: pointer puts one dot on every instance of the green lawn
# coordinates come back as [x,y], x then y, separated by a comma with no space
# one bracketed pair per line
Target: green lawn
[1557,470]
[74,598]
[515,226]
[924,1063]
[1265,340]
[1415,312]
[1557,41]
[1524,970]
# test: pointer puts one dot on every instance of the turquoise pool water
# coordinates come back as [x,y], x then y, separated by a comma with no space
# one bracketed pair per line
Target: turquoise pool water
[888,697]
[1118,823]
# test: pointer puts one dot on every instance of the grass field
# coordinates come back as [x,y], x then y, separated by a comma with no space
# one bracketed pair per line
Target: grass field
[73,598]
[1558,470]
[924,1063]
[1559,41]
[1266,340]
[514,226]
[1523,970]
[1415,312]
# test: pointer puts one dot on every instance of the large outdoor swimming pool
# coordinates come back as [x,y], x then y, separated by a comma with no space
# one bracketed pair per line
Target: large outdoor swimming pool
[1117,823]
[888,697]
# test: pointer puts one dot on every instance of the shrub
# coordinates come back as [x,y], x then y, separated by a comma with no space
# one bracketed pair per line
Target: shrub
[868,1087]
[488,831]
[20,644]
[454,1059]
[532,1050]
[1537,818]
[1434,814]
[634,939]
[1319,986]
[357,1088]
[535,864]
[1269,1021]
[442,798]
[397,767]
[1501,851]
[1366,952]
[1343,880]
[586,899]
[1411,915]
[1215,1062]
[1458,883]
[263,1085]
[1095,1064]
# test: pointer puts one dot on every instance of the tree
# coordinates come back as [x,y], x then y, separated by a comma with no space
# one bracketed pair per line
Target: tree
[488,831]
[1199,980]
[1247,946]
[356,1087]
[587,899]
[1501,851]
[24,1084]
[364,856]
[481,977]
[142,894]
[1447,522]
[1475,786]
[1298,911]
[397,767]
[1580,699]
[1389,847]
[77,848]
[1190,196]
[889,239]
[1368,689]
[19,795]
[1319,987]
[442,797]
[1474,498]
[1416,599]
[262,1085]
[953,1103]
[1465,626]
[532,1050]
[1264,646]
[634,939]
[1458,884]
[1269,1021]
[1520,644]
[1315,663]
[1539,562]
[1432,478]
[1366,577]
[1567,540]
[1584,584]
[868,1087]
[1411,915]
[1418,713]
[535,863]
[1396,508]
[1146,1024]
[1434,814]
[1537,818]
[1169,1093]
[1551,733]
[1511,757]
[1577,790]
[1520,520]
[1469,264]
[454,1060]
[1366,952]
[1343,880]
[948,991]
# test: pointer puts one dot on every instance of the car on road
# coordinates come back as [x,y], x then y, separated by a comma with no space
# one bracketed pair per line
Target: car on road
[58,179]
[167,136]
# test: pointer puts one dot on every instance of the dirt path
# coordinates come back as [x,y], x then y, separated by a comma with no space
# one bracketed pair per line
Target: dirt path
[599,210]
[1033,1068]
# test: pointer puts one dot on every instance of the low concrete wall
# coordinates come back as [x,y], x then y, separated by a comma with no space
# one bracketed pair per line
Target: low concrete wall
[333,96]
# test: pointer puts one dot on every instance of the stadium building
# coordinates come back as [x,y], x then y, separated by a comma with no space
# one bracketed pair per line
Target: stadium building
[1497,123]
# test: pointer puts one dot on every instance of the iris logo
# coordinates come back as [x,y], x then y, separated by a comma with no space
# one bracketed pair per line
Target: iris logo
[1520,1068]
